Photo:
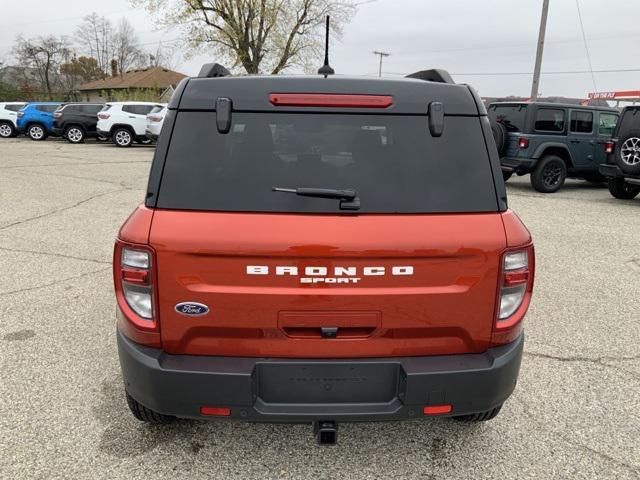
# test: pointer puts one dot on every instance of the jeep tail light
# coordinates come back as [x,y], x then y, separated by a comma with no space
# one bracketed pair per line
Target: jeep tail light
[516,287]
[609,147]
[21,114]
[154,118]
[57,114]
[338,100]
[134,278]
[523,142]
[103,116]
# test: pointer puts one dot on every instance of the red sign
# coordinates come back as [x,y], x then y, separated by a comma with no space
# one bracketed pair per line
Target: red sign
[615,95]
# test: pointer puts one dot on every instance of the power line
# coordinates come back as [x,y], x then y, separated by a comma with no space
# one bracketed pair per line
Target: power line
[586,47]
[382,54]
[557,72]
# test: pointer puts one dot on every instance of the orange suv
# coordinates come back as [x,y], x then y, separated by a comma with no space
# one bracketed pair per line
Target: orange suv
[321,249]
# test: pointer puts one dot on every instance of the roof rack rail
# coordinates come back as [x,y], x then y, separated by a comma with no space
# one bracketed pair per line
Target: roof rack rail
[433,75]
[213,70]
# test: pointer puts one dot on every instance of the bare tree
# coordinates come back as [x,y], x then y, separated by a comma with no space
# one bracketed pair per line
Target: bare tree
[256,35]
[95,36]
[44,55]
[126,48]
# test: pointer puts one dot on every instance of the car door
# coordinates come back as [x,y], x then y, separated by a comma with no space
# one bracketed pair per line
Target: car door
[581,138]
[607,122]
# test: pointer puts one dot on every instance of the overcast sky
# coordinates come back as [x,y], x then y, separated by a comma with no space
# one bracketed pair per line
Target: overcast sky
[463,36]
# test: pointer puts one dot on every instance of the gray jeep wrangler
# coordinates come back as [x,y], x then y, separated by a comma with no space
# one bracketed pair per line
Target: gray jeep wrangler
[551,141]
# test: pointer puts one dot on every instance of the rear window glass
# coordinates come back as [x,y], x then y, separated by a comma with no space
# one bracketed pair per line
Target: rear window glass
[511,116]
[607,123]
[156,109]
[91,109]
[581,122]
[47,108]
[137,109]
[550,120]
[392,162]
[105,108]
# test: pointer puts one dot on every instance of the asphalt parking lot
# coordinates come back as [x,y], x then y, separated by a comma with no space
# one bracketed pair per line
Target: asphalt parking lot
[575,412]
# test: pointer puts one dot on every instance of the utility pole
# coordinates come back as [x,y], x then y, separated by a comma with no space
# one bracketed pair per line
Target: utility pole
[536,72]
[382,54]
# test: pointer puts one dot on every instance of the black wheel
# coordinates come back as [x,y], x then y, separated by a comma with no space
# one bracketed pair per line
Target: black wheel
[500,136]
[7,130]
[506,175]
[36,132]
[74,134]
[145,414]
[122,137]
[549,175]
[622,190]
[627,152]
[480,417]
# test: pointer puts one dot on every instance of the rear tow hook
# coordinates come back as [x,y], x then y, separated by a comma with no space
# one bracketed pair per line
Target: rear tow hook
[326,432]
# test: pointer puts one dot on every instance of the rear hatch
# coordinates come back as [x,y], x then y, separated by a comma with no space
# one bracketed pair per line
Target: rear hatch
[413,271]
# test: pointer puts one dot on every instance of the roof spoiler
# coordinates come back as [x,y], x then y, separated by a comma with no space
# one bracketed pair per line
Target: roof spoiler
[433,75]
[213,70]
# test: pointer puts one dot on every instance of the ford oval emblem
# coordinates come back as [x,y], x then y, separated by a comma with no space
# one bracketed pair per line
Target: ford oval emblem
[192,309]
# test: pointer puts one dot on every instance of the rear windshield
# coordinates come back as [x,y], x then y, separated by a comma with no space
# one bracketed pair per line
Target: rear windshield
[392,162]
[511,116]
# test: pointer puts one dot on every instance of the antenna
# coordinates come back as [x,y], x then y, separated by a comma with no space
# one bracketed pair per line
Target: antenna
[326,69]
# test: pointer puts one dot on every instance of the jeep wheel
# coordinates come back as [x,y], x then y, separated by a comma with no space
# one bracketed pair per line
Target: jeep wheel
[622,190]
[500,136]
[145,414]
[506,175]
[628,152]
[6,130]
[122,137]
[480,417]
[36,132]
[549,175]
[74,135]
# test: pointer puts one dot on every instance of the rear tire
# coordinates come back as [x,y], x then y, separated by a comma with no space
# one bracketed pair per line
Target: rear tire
[36,132]
[549,175]
[500,136]
[122,137]
[7,130]
[74,134]
[622,190]
[479,417]
[145,414]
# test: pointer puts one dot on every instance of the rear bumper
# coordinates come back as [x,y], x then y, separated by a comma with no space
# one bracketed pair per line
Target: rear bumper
[611,171]
[57,131]
[517,164]
[292,390]
[103,133]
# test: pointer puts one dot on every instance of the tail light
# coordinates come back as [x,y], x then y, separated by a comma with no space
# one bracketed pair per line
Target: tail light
[20,114]
[523,142]
[609,147]
[57,114]
[103,116]
[134,272]
[154,118]
[338,100]
[516,288]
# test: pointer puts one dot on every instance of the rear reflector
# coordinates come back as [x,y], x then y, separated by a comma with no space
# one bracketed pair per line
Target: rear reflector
[215,411]
[437,409]
[330,100]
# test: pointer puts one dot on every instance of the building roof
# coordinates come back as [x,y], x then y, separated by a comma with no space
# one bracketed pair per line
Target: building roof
[153,77]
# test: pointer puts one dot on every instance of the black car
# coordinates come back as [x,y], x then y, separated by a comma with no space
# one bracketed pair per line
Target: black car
[76,121]
[622,168]
[551,141]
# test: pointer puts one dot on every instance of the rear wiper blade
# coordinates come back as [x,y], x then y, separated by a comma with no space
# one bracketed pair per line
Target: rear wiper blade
[349,197]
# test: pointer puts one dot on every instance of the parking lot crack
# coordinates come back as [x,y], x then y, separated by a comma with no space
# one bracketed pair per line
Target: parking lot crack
[598,360]
[51,254]
[56,282]
[62,209]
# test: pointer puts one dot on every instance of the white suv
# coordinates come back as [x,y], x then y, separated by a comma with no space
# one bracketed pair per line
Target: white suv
[124,122]
[155,119]
[8,118]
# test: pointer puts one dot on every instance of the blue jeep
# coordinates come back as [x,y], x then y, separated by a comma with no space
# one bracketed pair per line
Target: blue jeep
[36,119]
[551,141]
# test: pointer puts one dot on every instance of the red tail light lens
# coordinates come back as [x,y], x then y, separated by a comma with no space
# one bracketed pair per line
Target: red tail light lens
[515,293]
[330,100]
[103,116]
[154,118]
[523,142]
[609,147]
[21,114]
[135,286]
[57,114]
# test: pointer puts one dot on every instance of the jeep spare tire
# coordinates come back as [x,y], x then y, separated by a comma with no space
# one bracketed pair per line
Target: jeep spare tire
[628,152]
[500,136]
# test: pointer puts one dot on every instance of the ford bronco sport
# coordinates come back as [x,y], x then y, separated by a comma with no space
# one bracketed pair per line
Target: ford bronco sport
[322,249]
[551,141]
[622,168]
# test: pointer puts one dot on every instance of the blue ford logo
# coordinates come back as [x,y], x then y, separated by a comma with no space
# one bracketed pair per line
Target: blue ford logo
[192,309]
